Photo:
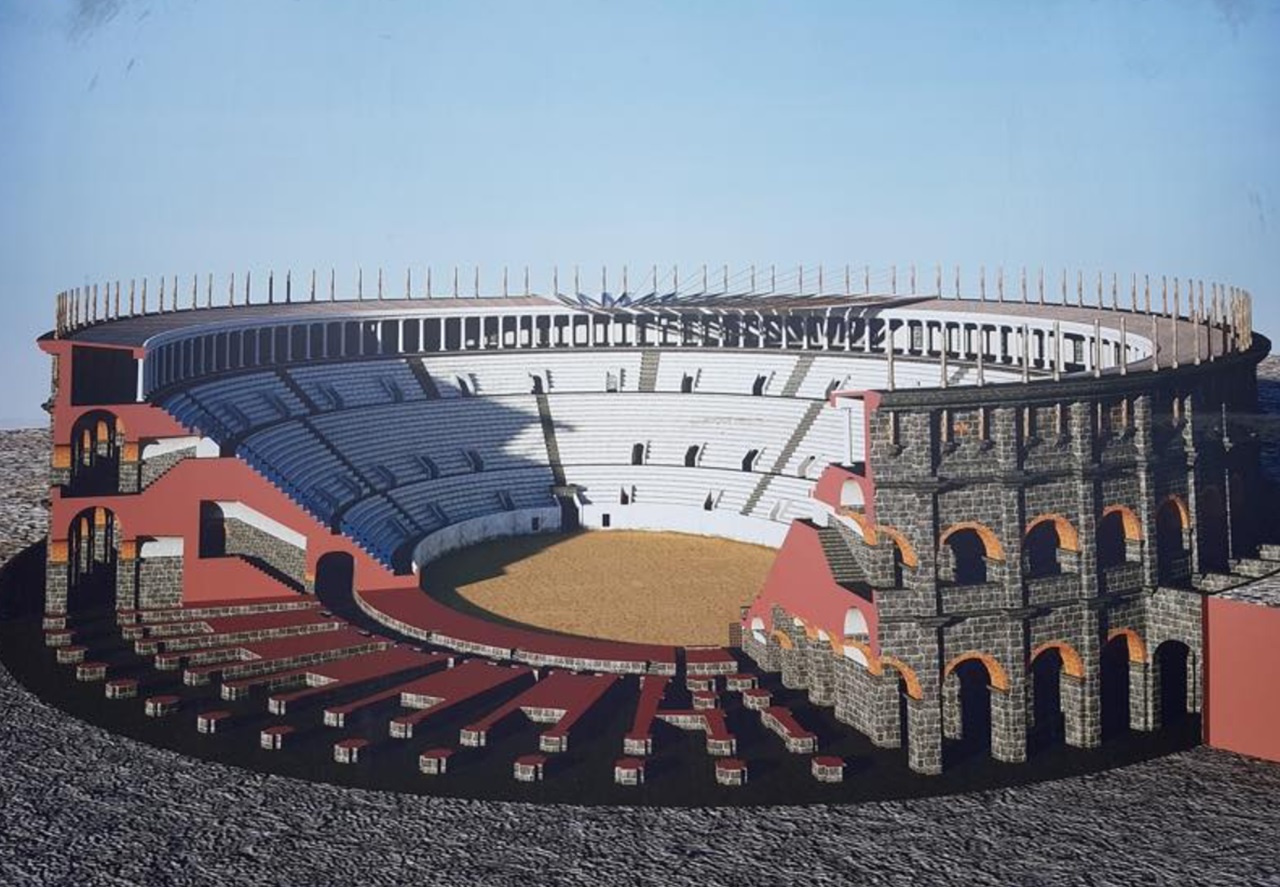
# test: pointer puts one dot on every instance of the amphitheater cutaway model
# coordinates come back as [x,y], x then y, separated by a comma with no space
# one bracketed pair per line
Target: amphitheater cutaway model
[1024,514]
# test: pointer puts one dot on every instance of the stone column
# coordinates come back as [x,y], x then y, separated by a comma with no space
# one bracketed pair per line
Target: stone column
[55,578]
[1144,697]
[1009,720]
[952,722]
[127,576]
[820,672]
[924,735]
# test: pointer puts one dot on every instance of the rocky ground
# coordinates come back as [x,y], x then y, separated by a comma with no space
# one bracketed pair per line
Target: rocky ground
[84,806]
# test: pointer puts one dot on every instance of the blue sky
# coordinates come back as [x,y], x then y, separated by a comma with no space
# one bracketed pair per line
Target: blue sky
[148,138]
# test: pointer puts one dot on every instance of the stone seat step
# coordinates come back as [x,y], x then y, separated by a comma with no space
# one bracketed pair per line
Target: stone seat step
[250,633]
[214,609]
[1269,552]
[1254,567]
[1219,581]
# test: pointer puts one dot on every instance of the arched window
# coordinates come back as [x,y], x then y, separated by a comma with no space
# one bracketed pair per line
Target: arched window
[1040,548]
[1111,541]
[757,388]
[855,624]
[968,557]
[749,460]
[1172,529]
[637,454]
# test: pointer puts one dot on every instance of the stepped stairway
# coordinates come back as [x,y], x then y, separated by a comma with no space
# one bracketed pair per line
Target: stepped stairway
[549,437]
[799,373]
[649,370]
[424,379]
[787,451]
[289,382]
[844,566]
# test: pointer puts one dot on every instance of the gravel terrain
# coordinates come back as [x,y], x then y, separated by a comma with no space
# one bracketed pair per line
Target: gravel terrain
[79,805]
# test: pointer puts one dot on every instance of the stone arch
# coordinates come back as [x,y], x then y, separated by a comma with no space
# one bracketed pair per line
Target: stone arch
[859,652]
[335,575]
[999,677]
[1176,501]
[990,542]
[1119,535]
[1175,666]
[1136,647]
[95,452]
[93,549]
[1173,532]
[1068,536]
[907,673]
[783,639]
[913,682]
[865,527]
[965,551]
[757,630]
[1130,522]
[909,557]
[1072,664]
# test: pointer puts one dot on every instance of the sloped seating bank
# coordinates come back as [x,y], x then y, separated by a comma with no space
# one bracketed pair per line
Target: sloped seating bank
[418,615]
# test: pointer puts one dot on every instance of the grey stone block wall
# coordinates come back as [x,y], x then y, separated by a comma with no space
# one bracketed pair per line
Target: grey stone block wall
[1003,465]
[248,541]
[159,582]
[148,471]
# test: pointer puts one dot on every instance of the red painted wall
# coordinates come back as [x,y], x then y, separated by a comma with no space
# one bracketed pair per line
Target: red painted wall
[171,507]
[801,583]
[831,483]
[1242,696]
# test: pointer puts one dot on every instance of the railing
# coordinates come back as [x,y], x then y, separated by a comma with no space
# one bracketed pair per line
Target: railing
[1219,324]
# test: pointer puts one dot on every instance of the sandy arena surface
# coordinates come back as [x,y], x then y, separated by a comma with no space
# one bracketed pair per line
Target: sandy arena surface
[659,588]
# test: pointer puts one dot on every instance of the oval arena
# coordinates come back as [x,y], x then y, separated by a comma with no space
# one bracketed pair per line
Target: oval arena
[1015,524]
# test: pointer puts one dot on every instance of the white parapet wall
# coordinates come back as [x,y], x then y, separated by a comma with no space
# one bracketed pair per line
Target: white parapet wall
[204,447]
[725,524]
[521,522]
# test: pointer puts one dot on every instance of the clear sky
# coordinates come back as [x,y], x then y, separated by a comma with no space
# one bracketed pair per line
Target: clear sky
[143,137]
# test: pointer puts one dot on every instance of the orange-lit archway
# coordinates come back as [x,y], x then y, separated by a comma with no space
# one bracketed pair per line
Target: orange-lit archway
[995,671]
[990,543]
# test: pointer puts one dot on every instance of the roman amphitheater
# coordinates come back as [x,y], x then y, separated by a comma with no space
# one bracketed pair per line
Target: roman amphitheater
[754,541]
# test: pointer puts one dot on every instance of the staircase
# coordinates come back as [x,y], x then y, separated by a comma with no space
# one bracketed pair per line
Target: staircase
[649,370]
[785,454]
[798,374]
[270,571]
[845,568]
[549,437]
[427,383]
[289,382]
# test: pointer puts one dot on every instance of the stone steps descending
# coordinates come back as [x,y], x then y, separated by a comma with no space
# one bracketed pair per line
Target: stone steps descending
[1269,552]
[1254,567]
[649,370]
[425,381]
[799,373]
[549,438]
[788,450]
[844,566]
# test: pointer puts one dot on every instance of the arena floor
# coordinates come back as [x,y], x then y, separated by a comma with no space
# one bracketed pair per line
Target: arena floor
[656,588]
